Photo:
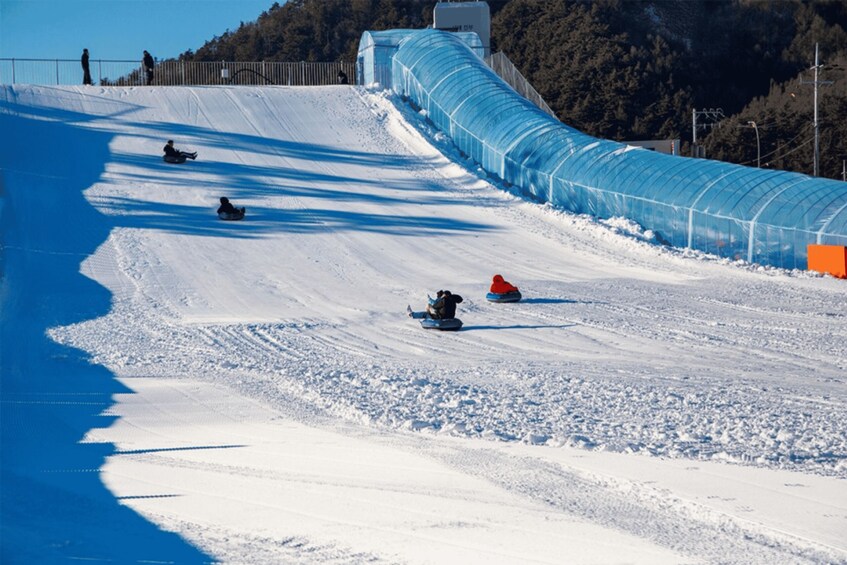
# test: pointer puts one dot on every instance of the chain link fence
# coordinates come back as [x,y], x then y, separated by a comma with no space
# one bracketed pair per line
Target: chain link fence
[175,73]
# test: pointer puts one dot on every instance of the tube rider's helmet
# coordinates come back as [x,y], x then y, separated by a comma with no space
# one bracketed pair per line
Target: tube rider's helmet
[224,199]
[170,142]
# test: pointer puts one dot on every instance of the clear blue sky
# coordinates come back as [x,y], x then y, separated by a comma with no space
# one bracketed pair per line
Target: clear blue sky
[117,29]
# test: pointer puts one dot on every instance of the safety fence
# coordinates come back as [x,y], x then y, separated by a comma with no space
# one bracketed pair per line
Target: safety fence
[506,70]
[175,73]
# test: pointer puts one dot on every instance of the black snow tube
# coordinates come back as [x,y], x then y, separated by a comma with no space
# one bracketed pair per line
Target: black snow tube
[233,216]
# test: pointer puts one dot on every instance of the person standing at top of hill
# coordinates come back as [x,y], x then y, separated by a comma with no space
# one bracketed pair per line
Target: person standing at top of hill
[86,72]
[148,67]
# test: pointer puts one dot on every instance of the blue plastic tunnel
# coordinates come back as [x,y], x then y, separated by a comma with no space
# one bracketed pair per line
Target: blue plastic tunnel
[763,216]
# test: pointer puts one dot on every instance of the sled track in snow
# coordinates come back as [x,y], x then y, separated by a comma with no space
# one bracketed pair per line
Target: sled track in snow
[644,512]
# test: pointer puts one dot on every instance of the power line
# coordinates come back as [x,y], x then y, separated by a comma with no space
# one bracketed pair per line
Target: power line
[789,142]
[808,141]
[761,126]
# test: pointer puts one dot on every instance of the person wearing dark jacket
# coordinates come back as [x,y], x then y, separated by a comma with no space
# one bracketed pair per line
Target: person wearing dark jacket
[148,67]
[171,151]
[227,211]
[430,311]
[86,72]
[226,207]
[444,308]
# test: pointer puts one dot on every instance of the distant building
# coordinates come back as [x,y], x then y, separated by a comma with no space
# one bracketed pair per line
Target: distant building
[465,16]
[669,146]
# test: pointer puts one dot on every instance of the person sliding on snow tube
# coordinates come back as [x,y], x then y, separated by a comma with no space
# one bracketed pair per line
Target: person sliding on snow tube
[440,313]
[174,155]
[444,307]
[500,286]
[227,211]
[502,291]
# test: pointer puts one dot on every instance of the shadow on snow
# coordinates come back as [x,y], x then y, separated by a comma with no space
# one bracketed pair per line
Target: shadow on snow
[245,182]
[518,327]
[55,506]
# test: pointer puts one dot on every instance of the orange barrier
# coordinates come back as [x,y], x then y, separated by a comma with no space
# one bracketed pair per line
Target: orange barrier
[830,259]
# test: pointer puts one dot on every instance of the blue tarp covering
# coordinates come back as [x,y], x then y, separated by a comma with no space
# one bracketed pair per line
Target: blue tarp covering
[762,216]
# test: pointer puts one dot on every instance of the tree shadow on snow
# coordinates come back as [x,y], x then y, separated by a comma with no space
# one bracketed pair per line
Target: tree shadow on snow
[55,507]
[242,181]
[196,220]
[209,138]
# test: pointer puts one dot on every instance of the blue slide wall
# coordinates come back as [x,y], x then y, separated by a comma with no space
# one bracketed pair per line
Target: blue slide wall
[763,216]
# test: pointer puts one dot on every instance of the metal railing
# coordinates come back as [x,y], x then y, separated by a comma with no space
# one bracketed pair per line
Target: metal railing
[505,69]
[173,73]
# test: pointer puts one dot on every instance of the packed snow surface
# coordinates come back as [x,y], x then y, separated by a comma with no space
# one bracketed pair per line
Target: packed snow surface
[257,389]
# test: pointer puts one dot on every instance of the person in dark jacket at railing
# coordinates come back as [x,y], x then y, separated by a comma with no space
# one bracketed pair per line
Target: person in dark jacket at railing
[86,73]
[148,67]
[342,77]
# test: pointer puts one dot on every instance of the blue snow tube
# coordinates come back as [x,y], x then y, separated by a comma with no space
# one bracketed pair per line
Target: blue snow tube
[513,296]
[448,325]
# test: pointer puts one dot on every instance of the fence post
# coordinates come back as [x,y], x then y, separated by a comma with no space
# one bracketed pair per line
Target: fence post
[13,71]
[57,72]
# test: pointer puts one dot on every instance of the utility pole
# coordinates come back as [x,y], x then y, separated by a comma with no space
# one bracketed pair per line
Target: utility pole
[693,132]
[816,82]
[714,113]
[758,145]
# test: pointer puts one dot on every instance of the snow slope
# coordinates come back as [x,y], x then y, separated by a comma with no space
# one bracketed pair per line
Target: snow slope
[256,388]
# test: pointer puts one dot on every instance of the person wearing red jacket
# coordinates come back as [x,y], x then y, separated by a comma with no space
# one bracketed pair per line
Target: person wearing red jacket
[501,286]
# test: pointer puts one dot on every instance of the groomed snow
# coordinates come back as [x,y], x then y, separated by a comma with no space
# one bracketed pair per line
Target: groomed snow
[256,388]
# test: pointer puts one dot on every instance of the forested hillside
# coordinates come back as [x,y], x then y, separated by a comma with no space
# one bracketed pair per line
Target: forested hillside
[624,70]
